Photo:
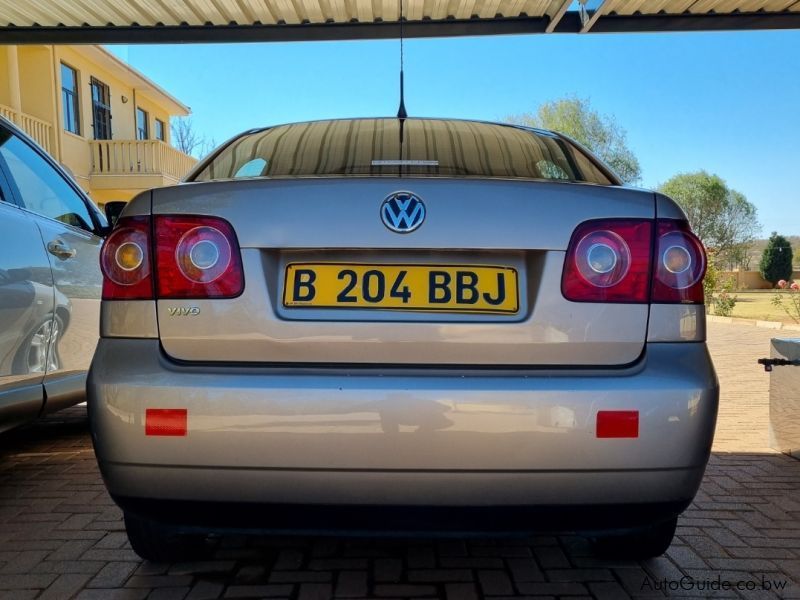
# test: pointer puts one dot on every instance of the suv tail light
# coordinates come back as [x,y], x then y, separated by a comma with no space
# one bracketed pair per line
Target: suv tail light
[680,264]
[611,261]
[179,257]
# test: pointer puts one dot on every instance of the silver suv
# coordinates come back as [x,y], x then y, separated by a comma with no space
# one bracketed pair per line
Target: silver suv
[402,325]
[50,282]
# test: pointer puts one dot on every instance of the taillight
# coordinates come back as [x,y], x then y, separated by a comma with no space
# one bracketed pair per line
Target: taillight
[196,257]
[609,261]
[680,264]
[125,261]
[189,257]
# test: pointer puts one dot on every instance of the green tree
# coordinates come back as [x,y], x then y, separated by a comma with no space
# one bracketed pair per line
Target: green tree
[776,261]
[721,217]
[739,257]
[601,134]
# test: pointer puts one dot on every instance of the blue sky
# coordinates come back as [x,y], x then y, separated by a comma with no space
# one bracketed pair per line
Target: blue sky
[728,103]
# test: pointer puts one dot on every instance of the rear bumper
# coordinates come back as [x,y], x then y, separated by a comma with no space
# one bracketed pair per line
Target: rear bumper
[398,520]
[366,436]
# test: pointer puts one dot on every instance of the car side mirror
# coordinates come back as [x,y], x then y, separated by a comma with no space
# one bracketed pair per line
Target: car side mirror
[113,210]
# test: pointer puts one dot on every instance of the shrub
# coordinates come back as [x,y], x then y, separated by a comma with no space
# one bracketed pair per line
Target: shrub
[710,282]
[719,300]
[723,301]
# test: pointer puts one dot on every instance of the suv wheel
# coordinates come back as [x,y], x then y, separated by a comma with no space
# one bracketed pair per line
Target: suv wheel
[646,542]
[157,542]
[39,352]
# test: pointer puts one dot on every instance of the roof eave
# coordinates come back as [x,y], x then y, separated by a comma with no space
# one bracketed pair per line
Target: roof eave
[140,82]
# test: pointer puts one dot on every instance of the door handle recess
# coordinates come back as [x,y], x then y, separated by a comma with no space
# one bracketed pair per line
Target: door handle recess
[60,250]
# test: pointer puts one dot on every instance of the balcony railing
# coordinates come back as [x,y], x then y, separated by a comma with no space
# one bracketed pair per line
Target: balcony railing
[139,157]
[39,130]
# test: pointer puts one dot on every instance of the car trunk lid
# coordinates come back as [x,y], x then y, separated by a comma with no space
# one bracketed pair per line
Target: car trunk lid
[521,226]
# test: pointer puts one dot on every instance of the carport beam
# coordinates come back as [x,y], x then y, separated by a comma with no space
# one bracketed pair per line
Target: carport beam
[595,16]
[556,18]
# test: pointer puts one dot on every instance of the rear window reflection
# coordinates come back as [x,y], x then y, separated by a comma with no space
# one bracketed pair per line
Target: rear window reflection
[392,148]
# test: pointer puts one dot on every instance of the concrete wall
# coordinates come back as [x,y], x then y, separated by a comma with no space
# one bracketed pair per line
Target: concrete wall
[5,83]
[37,92]
[750,280]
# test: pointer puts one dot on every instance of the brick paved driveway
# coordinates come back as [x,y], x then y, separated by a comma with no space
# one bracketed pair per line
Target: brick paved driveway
[61,536]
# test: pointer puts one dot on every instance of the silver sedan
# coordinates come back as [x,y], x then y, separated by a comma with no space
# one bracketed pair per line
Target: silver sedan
[406,325]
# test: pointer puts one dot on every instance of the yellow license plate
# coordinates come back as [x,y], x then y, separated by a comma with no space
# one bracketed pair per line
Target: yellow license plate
[450,288]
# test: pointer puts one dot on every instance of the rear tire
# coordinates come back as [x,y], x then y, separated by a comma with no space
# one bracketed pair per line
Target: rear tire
[647,542]
[157,542]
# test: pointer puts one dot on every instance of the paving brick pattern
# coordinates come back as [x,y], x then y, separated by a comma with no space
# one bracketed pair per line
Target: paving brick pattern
[61,536]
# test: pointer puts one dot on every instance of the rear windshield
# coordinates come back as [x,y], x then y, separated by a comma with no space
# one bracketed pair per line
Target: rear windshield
[391,148]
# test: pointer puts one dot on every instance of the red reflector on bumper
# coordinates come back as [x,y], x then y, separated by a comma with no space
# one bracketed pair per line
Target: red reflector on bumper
[618,424]
[165,421]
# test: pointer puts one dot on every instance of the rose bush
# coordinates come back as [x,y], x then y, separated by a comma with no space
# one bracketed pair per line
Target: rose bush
[789,300]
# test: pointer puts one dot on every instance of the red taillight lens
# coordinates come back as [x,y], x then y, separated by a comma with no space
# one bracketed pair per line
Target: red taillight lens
[680,264]
[609,261]
[125,261]
[197,257]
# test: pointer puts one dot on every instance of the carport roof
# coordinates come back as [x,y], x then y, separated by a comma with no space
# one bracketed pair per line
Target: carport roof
[143,21]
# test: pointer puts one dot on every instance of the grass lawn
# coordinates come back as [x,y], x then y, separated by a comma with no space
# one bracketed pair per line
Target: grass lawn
[758,305]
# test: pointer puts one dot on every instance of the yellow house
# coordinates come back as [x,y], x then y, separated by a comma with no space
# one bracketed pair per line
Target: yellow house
[106,122]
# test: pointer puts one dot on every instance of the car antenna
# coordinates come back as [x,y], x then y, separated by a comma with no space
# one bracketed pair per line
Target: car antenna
[401,111]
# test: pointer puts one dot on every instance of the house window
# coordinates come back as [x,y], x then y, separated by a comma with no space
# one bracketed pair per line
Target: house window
[69,99]
[142,127]
[160,130]
[101,109]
